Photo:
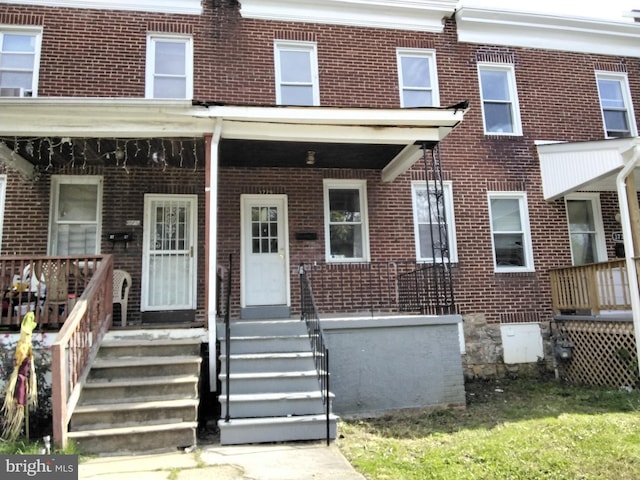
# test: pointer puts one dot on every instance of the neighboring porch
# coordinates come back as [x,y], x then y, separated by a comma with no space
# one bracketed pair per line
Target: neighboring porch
[593,324]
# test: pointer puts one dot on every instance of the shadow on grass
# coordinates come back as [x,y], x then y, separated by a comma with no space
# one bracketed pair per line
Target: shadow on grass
[494,402]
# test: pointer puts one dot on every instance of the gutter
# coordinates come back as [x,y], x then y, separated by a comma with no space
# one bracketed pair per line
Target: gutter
[627,233]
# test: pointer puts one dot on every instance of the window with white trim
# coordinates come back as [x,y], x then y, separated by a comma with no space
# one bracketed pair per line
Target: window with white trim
[19,62]
[75,216]
[510,233]
[418,78]
[296,69]
[3,194]
[169,66]
[346,227]
[500,108]
[586,229]
[615,103]
[433,221]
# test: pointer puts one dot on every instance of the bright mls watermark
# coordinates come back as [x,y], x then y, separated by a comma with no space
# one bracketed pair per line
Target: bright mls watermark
[49,467]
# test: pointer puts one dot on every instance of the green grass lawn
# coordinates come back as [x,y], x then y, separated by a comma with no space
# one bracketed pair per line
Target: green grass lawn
[525,429]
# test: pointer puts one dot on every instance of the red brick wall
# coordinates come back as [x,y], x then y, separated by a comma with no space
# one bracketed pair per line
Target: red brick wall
[27,213]
[94,53]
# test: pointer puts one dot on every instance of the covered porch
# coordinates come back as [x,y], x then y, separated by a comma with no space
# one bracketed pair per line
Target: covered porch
[596,306]
[43,136]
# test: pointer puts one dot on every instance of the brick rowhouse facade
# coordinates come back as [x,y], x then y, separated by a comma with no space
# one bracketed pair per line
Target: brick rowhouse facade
[95,53]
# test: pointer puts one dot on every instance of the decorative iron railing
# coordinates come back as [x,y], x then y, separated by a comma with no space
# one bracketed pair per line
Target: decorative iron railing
[77,344]
[382,287]
[309,313]
[426,289]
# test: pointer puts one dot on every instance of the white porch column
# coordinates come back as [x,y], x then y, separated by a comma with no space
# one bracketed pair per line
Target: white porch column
[631,158]
[211,245]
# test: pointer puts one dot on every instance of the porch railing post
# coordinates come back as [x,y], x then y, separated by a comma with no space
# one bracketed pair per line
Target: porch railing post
[59,396]
[593,289]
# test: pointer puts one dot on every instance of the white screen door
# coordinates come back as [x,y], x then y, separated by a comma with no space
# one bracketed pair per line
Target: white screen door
[265,252]
[169,252]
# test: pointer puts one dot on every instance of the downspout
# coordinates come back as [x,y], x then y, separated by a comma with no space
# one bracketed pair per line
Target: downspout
[211,243]
[627,234]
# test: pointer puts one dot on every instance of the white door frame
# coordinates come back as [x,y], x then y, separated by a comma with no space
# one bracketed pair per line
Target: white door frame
[244,200]
[192,295]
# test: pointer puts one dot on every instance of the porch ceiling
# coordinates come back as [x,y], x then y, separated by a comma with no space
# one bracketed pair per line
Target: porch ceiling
[260,153]
[568,167]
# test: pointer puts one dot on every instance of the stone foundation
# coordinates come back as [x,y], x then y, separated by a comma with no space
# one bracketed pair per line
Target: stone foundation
[483,357]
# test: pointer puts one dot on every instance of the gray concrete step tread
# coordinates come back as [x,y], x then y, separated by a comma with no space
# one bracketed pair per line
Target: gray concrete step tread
[267,375]
[155,380]
[261,356]
[280,321]
[134,429]
[161,342]
[145,405]
[264,421]
[258,397]
[134,361]
[154,335]
[266,337]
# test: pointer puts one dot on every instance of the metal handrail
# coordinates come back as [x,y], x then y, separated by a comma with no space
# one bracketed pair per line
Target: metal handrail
[227,338]
[309,313]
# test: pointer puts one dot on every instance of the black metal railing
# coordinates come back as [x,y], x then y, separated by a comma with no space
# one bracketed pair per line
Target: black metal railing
[227,337]
[426,289]
[309,313]
[382,287]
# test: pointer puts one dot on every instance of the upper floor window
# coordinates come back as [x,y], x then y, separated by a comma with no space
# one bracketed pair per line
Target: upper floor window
[499,96]
[615,102]
[433,222]
[169,67]
[19,62]
[75,218]
[510,234]
[346,227]
[418,78]
[296,68]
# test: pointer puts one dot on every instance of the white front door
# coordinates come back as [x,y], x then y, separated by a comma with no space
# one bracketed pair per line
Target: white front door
[168,258]
[265,254]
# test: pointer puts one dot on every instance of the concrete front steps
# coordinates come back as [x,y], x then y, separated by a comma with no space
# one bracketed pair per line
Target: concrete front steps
[141,394]
[274,393]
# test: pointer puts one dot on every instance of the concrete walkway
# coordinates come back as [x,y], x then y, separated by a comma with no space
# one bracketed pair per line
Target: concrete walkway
[295,461]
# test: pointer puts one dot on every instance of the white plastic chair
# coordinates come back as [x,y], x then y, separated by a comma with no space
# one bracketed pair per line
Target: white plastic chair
[121,292]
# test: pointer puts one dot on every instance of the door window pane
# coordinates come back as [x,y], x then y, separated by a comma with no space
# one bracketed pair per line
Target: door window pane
[264,230]
[582,231]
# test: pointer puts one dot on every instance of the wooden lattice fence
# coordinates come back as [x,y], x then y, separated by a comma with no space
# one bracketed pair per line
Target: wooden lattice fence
[604,353]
